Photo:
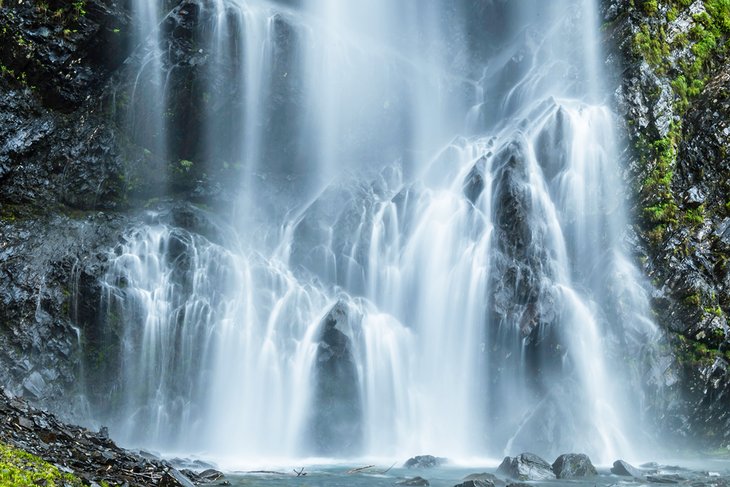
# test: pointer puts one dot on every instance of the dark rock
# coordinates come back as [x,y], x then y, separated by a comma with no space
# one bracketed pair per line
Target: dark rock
[424,461]
[210,475]
[175,478]
[625,469]
[88,455]
[476,483]
[417,481]
[665,479]
[486,476]
[474,183]
[573,465]
[336,423]
[526,466]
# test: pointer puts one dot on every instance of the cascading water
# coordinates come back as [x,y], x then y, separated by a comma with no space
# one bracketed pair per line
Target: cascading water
[427,249]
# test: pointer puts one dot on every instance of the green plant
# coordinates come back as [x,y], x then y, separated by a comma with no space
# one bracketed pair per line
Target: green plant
[21,469]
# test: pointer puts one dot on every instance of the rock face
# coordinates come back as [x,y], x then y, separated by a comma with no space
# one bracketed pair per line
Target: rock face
[673,92]
[526,466]
[573,465]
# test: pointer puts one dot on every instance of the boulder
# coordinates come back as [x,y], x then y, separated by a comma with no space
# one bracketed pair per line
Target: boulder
[625,469]
[417,481]
[526,466]
[424,461]
[573,465]
[476,483]
[486,476]
[175,478]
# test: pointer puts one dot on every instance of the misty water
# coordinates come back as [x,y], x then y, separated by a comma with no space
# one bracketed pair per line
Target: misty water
[425,253]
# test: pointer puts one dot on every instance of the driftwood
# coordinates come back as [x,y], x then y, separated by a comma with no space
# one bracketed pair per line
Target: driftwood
[388,469]
[360,469]
[270,472]
[300,473]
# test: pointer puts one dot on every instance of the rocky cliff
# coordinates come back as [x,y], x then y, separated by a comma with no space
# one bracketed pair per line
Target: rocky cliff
[673,93]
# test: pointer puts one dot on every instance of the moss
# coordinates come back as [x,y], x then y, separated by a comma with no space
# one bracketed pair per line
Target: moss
[650,7]
[693,299]
[714,310]
[695,216]
[20,469]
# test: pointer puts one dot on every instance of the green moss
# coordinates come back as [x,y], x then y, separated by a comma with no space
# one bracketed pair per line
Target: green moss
[650,7]
[21,469]
[693,299]
[714,310]
[695,216]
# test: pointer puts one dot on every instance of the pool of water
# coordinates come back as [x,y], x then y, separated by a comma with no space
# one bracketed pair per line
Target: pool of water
[696,473]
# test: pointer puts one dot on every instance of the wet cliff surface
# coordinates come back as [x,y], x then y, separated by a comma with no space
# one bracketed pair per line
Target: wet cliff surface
[72,180]
[674,95]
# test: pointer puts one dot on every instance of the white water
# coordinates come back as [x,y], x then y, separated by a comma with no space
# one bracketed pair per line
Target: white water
[467,215]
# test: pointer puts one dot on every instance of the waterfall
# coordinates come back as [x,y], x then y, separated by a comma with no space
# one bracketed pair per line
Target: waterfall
[426,251]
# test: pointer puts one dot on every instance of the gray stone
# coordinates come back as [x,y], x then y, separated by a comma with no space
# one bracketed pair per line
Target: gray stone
[573,465]
[414,481]
[526,466]
[625,469]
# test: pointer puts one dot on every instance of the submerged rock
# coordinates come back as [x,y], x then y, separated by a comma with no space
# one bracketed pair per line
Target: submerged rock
[486,476]
[526,466]
[417,481]
[665,479]
[424,461]
[573,465]
[625,469]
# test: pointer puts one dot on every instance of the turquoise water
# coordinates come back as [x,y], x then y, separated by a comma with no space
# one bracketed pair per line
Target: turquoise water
[338,476]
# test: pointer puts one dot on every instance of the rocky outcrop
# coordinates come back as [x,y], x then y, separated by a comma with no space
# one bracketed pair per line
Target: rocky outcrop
[92,456]
[672,91]
[526,466]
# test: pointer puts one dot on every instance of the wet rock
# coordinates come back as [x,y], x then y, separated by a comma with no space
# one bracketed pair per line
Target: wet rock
[476,483]
[210,475]
[665,479]
[175,478]
[573,465]
[87,454]
[526,466]
[336,423]
[417,481]
[35,385]
[625,469]
[486,476]
[424,461]
[474,182]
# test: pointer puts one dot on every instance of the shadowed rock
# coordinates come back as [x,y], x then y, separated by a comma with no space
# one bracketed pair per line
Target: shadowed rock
[573,465]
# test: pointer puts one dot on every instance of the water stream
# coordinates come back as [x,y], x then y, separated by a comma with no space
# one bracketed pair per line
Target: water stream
[426,253]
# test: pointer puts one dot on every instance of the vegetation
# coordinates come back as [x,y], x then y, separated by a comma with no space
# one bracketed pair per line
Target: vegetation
[20,469]
[697,51]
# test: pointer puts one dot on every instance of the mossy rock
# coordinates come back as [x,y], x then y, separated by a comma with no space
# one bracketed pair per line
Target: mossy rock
[20,469]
